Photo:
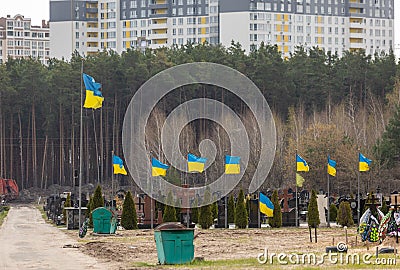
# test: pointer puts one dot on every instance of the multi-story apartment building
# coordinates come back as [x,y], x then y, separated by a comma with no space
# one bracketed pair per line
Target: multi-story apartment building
[334,25]
[20,39]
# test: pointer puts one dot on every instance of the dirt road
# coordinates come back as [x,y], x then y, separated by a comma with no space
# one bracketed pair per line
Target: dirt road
[27,242]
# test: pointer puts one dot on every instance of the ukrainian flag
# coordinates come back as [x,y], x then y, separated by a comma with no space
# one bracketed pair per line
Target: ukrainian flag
[331,167]
[118,166]
[266,206]
[232,165]
[94,98]
[299,180]
[196,164]
[363,163]
[302,165]
[158,168]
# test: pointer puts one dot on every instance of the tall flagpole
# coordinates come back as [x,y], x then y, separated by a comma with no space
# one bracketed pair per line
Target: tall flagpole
[81,149]
[328,205]
[297,207]
[112,179]
[259,214]
[358,191]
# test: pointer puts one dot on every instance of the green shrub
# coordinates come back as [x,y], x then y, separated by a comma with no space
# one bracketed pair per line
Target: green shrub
[276,220]
[195,211]
[345,217]
[98,200]
[241,218]
[313,214]
[169,214]
[231,209]
[128,217]
[205,216]
[332,212]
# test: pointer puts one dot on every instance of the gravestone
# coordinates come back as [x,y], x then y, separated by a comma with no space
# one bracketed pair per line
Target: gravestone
[322,202]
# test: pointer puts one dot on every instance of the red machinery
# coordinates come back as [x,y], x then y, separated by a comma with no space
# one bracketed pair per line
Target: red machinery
[8,189]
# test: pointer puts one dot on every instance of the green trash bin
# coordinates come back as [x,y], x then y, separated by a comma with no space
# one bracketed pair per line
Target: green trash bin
[174,243]
[104,221]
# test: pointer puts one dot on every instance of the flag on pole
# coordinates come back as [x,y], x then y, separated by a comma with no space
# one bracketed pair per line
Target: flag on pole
[299,180]
[266,206]
[196,164]
[331,167]
[118,166]
[94,98]
[302,165]
[232,165]
[158,168]
[363,163]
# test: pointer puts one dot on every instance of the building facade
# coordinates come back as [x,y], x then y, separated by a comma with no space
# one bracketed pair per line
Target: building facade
[88,26]
[20,39]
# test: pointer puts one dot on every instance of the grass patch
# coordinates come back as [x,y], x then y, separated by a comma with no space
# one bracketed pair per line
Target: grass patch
[3,213]
[384,261]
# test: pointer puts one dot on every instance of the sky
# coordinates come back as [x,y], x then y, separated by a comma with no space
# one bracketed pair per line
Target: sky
[38,10]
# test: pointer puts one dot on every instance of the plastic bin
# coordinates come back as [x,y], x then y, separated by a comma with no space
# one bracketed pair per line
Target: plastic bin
[174,243]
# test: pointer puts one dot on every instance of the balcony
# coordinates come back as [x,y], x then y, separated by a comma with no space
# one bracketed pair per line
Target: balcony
[356,36]
[156,36]
[356,25]
[158,26]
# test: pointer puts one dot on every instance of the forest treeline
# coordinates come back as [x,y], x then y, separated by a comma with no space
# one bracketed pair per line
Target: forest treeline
[322,104]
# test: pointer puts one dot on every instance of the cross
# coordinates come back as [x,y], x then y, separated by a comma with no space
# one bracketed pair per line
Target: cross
[286,196]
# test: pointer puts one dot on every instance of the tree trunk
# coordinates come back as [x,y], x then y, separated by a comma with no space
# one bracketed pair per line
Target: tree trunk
[42,182]
[27,154]
[61,160]
[2,144]
[11,146]
[34,148]
[309,229]
[21,156]
[315,232]
[73,146]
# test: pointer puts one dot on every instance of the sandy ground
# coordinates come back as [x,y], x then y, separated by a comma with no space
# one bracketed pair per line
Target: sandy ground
[128,249]
[29,243]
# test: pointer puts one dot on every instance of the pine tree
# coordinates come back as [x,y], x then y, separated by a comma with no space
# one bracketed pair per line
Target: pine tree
[214,210]
[178,210]
[241,218]
[66,204]
[332,212]
[344,217]
[195,211]
[205,216]
[276,220]
[89,211]
[128,217]
[231,210]
[313,214]
[169,211]
[98,200]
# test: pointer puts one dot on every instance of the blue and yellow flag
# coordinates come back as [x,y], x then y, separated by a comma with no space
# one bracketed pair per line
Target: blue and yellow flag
[331,167]
[232,165]
[266,206]
[196,164]
[94,98]
[363,163]
[302,165]
[299,180]
[118,166]
[158,168]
